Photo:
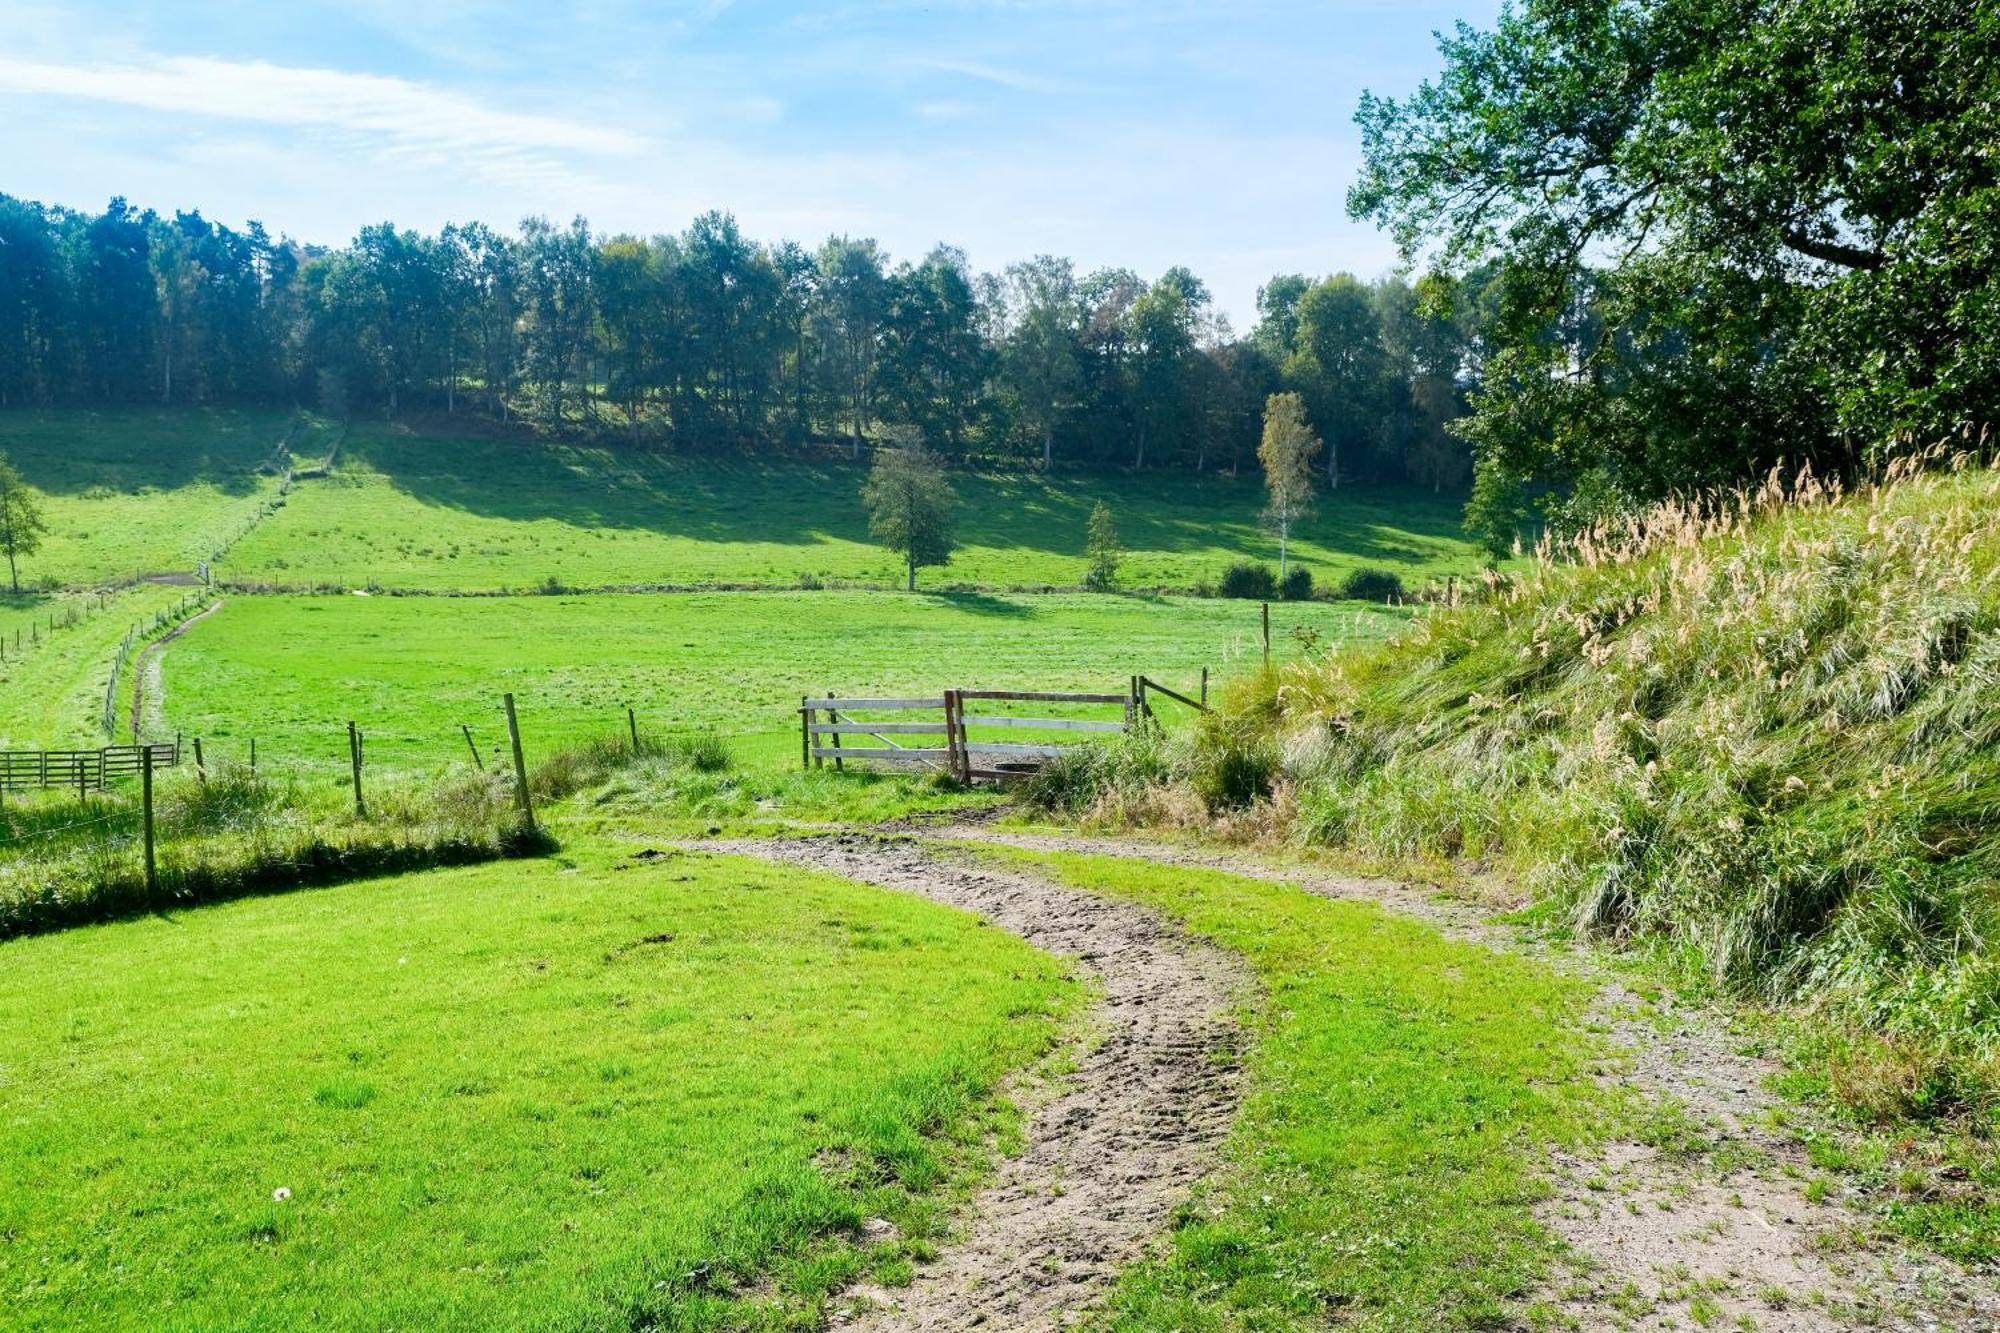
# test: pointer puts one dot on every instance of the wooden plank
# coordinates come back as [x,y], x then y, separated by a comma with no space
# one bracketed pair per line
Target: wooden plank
[828,752]
[879,729]
[1043,723]
[854,705]
[1034,696]
[1175,695]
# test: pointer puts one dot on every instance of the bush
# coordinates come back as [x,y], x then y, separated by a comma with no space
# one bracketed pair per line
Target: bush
[1371,585]
[1297,585]
[1248,580]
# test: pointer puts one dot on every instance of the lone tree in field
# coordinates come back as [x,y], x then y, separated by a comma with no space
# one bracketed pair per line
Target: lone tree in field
[1287,453]
[910,504]
[21,525]
[1101,550]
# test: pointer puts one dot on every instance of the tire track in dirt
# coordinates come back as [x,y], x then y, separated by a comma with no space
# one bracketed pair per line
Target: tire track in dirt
[149,659]
[1655,1235]
[1112,1147]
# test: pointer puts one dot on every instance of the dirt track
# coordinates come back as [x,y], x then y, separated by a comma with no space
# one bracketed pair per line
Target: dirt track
[1111,1147]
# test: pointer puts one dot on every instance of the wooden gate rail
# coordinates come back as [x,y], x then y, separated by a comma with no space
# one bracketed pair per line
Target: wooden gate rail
[28,770]
[823,723]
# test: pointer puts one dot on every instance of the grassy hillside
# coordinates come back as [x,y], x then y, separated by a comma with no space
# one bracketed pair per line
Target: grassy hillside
[140,492]
[290,670]
[586,1093]
[1767,746]
[411,511]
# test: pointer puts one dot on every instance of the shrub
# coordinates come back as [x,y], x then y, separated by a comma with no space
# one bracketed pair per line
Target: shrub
[1371,585]
[1249,580]
[1297,585]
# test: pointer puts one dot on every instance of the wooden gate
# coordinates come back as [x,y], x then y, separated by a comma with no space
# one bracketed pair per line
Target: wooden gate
[948,732]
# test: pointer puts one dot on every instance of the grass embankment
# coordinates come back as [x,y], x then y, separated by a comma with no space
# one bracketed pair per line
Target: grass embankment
[409,511]
[1404,1091]
[136,492]
[592,1092]
[291,670]
[1760,741]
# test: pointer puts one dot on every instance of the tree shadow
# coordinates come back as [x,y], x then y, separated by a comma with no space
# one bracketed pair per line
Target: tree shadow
[76,452]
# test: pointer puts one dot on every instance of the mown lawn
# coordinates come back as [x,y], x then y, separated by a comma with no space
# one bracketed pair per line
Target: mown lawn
[579,1093]
[1404,1092]
[411,511]
[139,492]
[290,670]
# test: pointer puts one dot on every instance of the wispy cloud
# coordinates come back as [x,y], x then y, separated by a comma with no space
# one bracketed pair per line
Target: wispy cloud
[1017,80]
[405,120]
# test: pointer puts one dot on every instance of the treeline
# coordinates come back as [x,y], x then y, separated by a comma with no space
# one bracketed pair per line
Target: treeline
[709,339]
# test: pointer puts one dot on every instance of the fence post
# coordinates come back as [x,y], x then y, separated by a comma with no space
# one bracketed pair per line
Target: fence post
[146,799]
[520,764]
[632,722]
[1204,687]
[954,750]
[806,715]
[834,714]
[200,764]
[1267,634]
[477,762]
[354,759]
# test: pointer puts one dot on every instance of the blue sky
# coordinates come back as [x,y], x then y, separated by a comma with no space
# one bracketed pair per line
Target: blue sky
[1144,133]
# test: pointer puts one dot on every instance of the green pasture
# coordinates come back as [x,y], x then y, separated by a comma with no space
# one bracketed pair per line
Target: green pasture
[410,511]
[292,670]
[136,492]
[582,1093]
[52,688]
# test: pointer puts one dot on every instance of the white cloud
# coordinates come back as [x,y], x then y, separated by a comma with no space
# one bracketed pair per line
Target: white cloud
[404,120]
[1004,78]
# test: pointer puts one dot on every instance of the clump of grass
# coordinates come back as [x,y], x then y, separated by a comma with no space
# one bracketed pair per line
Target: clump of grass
[1760,731]
[595,762]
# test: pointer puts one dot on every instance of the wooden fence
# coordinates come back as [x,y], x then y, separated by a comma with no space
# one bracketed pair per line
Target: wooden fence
[81,770]
[945,744]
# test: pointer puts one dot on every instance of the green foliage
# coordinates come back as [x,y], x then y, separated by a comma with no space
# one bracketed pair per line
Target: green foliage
[615,1032]
[1370,585]
[1247,580]
[1296,585]
[1772,747]
[910,505]
[1286,455]
[21,522]
[1787,270]
[1101,551]
[1232,765]
[1405,1092]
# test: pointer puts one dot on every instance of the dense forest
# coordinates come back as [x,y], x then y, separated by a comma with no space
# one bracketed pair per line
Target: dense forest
[709,339]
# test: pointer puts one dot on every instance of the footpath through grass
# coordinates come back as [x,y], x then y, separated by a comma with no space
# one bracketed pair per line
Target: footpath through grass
[414,511]
[52,690]
[1404,1093]
[587,1092]
[291,670]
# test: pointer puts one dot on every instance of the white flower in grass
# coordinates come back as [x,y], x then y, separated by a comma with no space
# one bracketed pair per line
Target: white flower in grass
[280,1194]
